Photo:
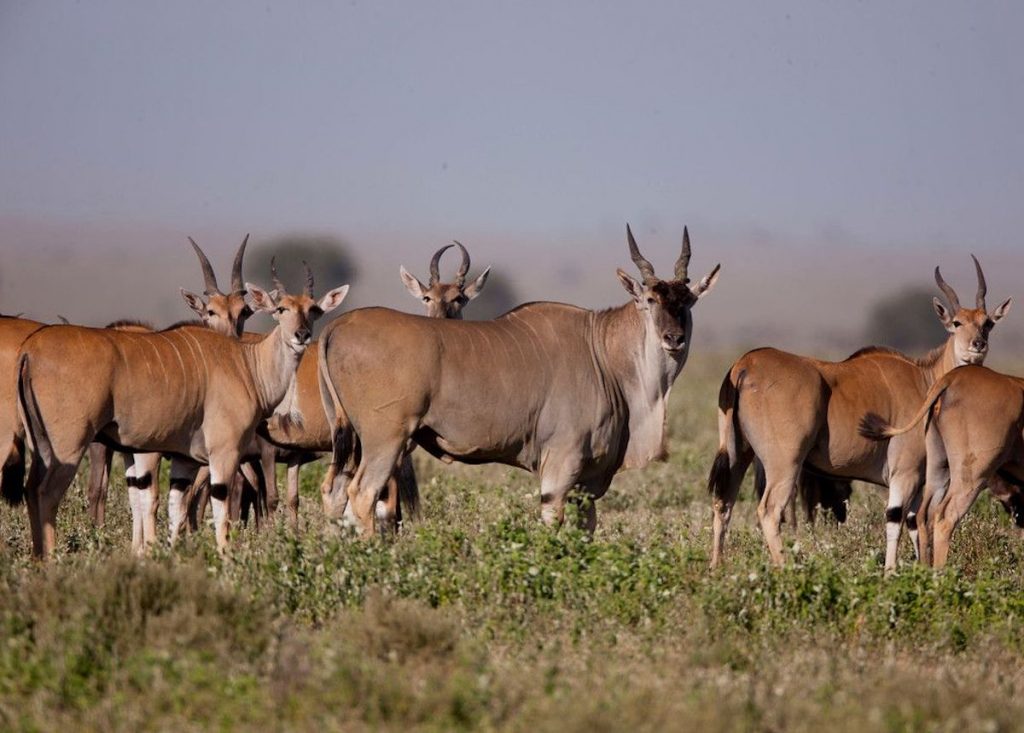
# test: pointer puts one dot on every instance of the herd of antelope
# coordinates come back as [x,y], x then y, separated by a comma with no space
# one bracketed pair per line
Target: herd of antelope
[569,394]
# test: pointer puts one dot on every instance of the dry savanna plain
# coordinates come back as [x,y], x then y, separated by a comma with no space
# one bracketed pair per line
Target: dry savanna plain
[477,617]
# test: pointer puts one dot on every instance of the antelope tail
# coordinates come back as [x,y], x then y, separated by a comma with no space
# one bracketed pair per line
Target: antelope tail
[343,438]
[28,413]
[345,446]
[875,427]
[328,393]
[728,436]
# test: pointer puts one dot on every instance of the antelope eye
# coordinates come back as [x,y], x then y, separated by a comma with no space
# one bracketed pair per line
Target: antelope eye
[426,298]
[957,324]
[280,309]
[210,313]
[650,301]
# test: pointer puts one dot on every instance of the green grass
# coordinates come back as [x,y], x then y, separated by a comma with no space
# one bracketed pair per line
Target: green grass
[477,617]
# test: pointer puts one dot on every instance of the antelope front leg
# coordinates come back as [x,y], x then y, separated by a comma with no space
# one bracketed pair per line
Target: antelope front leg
[293,492]
[99,479]
[268,466]
[903,491]
[147,473]
[182,477]
[135,504]
[558,478]
[223,467]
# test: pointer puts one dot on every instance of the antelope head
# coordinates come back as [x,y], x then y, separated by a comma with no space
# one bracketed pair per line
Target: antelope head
[665,305]
[295,314]
[225,313]
[968,327]
[445,300]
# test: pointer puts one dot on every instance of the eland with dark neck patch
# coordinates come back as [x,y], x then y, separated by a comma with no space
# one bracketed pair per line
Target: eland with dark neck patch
[572,395]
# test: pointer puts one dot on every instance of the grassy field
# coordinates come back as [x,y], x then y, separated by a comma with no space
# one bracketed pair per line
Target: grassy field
[477,617]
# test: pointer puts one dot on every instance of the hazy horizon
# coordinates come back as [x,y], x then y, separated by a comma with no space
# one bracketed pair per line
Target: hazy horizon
[827,156]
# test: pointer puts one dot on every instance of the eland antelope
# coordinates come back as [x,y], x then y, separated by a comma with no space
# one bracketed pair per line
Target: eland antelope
[572,395]
[975,439]
[794,414]
[300,426]
[186,391]
[221,312]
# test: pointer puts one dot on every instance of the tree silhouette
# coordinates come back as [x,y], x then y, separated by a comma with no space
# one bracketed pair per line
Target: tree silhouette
[499,296]
[328,257]
[905,320]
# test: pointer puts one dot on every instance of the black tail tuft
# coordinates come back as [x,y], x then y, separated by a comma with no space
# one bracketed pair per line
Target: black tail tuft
[760,480]
[874,427]
[718,478]
[12,478]
[408,489]
[828,493]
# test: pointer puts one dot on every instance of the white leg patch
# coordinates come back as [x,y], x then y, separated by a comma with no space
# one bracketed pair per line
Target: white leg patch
[175,513]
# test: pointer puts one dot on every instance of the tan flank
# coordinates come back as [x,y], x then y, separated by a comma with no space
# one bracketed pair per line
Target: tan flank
[974,440]
[793,414]
[300,425]
[185,391]
[570,394]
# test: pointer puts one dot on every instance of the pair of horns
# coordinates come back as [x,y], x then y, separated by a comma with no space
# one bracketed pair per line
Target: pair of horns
[647,269]
[307,291]
[435,262]
[210,279]
[951,294]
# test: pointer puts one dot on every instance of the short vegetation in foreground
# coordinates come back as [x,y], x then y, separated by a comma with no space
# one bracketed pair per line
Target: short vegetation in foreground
[477,617]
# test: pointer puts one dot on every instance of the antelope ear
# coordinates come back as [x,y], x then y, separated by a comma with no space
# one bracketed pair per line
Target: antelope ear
[1000,312]
[707,283]
[413,285]
[632,287]
[944,315]
[473,289]
[333,299]
[261,299]
[194,302]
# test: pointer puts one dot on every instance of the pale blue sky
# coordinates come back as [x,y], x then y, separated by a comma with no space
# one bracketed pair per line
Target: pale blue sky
[830,120]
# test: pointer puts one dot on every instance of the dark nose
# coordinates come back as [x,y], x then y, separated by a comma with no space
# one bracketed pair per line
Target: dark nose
[979,344]
[303,335]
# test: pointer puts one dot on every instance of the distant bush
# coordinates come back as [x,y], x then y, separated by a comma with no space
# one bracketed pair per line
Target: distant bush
[327,256]
[905,320]
[499,296]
